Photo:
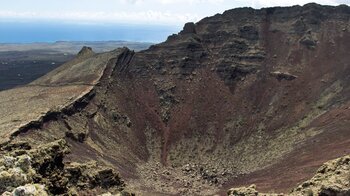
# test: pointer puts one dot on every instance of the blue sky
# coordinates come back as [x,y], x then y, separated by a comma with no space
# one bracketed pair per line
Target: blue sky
[166,12]
[26,21]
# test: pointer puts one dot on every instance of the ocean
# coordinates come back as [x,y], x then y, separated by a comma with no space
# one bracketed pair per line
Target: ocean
[29,32]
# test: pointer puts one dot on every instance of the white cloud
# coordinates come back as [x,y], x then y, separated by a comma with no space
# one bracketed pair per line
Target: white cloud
[132,1]
[149,16]
[270,3]
[190,1]
[254,3]
[136,11]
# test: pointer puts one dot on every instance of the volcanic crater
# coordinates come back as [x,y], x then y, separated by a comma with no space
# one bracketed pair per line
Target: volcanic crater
[243,97]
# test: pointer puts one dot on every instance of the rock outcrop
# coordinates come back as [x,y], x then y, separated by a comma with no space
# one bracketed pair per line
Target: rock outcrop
[85,52]
[283,75]
[332,178]
[243,191]
[41,171]
[28,190]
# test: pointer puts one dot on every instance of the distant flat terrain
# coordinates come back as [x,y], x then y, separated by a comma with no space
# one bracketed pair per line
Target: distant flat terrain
[22,63]
[74,46]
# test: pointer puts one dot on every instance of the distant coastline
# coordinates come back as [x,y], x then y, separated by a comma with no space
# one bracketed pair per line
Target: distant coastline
[72,47]
[34,32]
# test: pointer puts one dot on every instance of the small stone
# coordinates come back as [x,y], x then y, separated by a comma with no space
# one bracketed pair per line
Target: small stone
[24,162]
[249,191]
[166,172]
[9,161]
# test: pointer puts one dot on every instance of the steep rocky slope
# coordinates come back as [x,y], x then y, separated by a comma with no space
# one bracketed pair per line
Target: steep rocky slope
[244,97]
[40,167]
[332,178]
[70,83]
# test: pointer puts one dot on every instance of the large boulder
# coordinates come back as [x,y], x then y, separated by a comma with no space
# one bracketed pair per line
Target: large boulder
[42,171]
[332,178]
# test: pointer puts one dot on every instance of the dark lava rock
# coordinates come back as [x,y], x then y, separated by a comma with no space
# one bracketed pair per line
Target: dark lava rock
[283,75]
[189,28]
[249,32]
[308,41]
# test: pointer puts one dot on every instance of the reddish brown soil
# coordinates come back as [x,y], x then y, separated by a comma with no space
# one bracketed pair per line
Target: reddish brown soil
[302,163]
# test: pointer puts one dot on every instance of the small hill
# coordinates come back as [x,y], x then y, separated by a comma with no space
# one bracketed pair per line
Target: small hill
[21,64]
